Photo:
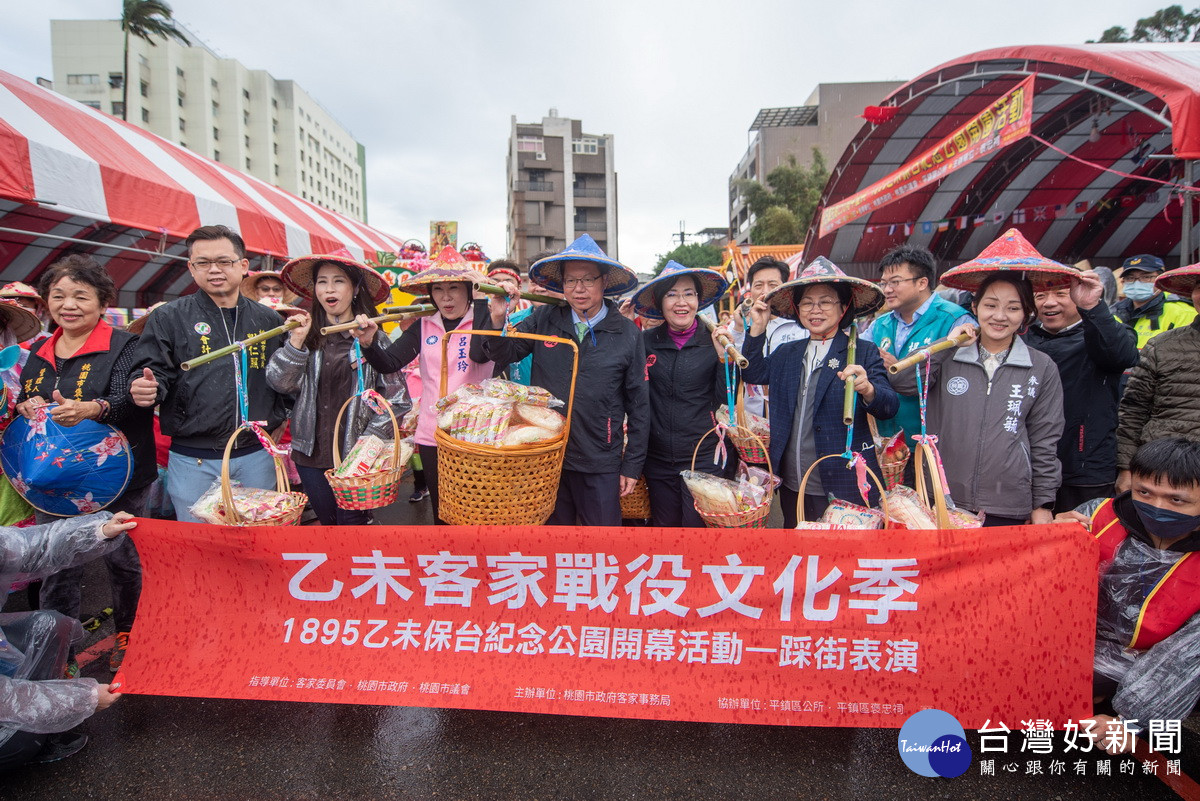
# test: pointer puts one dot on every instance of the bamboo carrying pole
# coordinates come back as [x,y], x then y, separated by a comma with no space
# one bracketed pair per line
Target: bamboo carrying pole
[925,353]
[489,289]
[848,398]
[727,343]
[237,346]
[416,311]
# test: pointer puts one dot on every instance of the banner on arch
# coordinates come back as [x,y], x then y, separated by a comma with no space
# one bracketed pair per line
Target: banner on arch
[1007,119]
[828,628]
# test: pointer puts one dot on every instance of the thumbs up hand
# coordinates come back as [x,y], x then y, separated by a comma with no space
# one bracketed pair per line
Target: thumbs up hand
[70,412]
[144,390]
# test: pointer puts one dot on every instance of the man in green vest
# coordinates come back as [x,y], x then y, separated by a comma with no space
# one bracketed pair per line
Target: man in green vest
[916,317]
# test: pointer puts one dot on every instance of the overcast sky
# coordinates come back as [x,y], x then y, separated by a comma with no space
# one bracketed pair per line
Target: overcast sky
[428,86]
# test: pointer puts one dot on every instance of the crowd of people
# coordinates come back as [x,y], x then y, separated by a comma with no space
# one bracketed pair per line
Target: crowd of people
[1059,400]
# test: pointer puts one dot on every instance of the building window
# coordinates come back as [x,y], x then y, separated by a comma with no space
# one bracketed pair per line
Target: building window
[145,115]
[179,71]
[118,109]
[275,148]
[587,145]
[215,87]
[145,87]
[247,164]
[216,155]
[216,133]
[274,103]
[82,80]
[245,118]
[182,144]
[180,100]
[276,170]
[145,62]
[116,80]
[92,104]
[247,139]
[274,126]
[182,125]
[246,93]
[530,144]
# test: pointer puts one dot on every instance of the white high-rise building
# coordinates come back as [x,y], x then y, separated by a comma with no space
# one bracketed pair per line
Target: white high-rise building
[216,107]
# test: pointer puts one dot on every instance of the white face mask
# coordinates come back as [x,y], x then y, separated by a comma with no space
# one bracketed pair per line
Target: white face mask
[1139,290]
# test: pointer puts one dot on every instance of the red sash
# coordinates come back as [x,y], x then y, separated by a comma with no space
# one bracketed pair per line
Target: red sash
[1173,600]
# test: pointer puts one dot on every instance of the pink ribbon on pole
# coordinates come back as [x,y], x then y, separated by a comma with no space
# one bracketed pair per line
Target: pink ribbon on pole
[859,464]
[259,427]
[721,453]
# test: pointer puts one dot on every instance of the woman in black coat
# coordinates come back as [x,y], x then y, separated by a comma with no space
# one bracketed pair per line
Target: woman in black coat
[687,385]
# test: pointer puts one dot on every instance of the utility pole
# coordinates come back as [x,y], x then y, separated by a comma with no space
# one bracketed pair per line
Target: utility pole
[681,235]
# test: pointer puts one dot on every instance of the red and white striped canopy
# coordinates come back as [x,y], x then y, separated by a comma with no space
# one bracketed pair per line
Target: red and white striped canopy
[70,173]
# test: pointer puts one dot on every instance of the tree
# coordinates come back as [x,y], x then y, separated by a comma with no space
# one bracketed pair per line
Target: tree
[784,211]
[1170,24]
[145,19]
[693,255]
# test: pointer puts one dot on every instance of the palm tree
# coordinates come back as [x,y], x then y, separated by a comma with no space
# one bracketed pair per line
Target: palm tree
[145,19]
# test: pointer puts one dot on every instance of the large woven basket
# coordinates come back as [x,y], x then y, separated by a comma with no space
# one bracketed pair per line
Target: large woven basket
[370,490]
[493,485]
[802,523]
[751,518]
[636,505]
[288,516]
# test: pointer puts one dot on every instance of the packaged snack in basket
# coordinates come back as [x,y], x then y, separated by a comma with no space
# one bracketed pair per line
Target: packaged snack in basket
[362,457]
[758,477]
[713,496]
[409,421]
[540,416]
[252,505]
[465,391]
[526,435]
[906,507]
[961,518]
[843,514]
[407,448]
[518,393]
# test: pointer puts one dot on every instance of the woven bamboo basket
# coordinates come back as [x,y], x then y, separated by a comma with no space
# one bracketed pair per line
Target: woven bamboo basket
[291,512]
[751,518]
[753,449]
[493,485]
[892,469]
[933,493]
[370,490]
[802,523]
[636,505]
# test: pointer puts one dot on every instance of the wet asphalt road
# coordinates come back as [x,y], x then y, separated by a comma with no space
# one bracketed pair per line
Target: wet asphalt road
[155,747]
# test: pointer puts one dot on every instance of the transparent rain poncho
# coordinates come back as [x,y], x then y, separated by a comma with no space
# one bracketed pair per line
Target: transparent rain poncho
[1163,681]
[43,707]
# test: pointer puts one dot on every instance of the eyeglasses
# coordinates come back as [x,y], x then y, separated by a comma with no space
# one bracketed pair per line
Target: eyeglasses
[586,283]
[688,294]
[894,283]
[204,264]
[825,305]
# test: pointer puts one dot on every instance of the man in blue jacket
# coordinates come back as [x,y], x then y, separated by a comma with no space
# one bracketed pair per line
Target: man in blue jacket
[916,318]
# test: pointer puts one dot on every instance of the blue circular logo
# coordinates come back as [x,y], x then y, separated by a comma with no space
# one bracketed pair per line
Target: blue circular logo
[933,743]
[432,339]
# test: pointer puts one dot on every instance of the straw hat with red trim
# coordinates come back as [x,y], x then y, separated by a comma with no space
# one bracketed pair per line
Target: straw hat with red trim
[547,273]
[139,325]
[712,287]
[1011,253]
[865,296]
[1180,281]
[298,274]
[250,282]
[449,266]
[21,322]
[20,289]
[281,307]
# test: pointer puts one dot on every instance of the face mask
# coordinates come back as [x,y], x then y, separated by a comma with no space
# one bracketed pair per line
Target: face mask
[1139,290]
[1165,523]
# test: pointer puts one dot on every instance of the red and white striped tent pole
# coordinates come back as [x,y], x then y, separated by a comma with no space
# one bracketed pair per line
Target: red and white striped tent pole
[73,179]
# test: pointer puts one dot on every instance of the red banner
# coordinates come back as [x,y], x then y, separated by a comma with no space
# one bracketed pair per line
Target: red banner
[830,628]
[1000,124]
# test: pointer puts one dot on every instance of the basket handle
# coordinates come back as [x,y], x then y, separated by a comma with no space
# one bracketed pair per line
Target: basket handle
[517,335]
[933,495]
[337,429]
[281,480]
[696,450]
[887,518]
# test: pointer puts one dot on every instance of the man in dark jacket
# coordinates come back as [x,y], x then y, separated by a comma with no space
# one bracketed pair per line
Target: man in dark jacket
[600,466]
[200,408]
[1091,349]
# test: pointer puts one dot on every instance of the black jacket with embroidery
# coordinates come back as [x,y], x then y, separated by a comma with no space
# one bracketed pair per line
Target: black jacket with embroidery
[198,407]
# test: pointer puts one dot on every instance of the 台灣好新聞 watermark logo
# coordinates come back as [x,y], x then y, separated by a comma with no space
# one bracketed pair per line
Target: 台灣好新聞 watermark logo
[933,743]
